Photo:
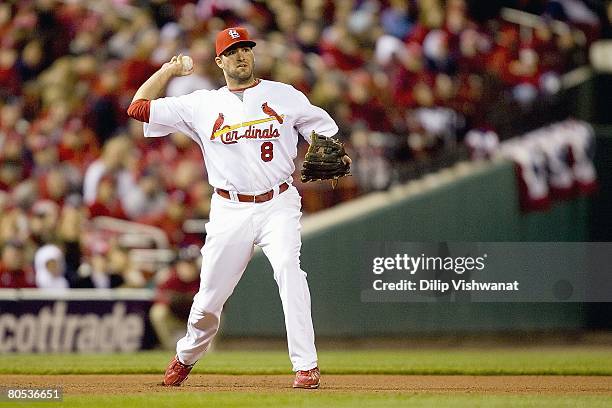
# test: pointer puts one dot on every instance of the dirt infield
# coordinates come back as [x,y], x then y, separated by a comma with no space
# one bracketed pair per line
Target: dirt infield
[434,384]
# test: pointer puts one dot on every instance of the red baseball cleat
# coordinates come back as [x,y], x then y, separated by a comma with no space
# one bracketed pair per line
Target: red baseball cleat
[309,379]
[176,372]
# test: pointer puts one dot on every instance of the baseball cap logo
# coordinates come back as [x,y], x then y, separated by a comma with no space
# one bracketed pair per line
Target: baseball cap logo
[231,36]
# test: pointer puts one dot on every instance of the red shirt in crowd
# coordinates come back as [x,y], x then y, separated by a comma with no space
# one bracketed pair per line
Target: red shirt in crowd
[175,285]
[15,279]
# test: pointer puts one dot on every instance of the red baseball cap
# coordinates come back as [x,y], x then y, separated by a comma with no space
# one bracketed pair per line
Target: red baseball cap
[231,36]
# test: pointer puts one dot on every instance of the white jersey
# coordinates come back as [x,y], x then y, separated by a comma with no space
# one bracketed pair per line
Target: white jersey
[249,144]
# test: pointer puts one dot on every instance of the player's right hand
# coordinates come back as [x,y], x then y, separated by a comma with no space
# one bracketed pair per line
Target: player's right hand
[176,67]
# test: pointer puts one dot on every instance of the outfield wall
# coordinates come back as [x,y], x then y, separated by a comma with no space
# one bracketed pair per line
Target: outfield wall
[480,205]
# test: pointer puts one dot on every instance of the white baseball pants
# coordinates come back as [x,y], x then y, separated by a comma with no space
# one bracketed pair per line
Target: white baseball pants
[233,230]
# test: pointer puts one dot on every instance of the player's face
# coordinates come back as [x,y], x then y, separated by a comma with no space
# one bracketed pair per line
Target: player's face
[238,63]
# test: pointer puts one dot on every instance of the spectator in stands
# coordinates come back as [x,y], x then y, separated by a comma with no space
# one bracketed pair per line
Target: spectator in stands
[174,297]
[172,220]
[13,223]
[12,126]
[121,269]
[102,107]
[184,175]
[69,231]
[11,173]
[107,202]
[10,82]
[50,268]
[14,271]
[30,62]
[328,92]
[43,222]
[99,274]
[147,200]
[116,155]
[78,146]
[46,156]
[199,197]
[54,184]
[397,19]
[373,172]
[365,105]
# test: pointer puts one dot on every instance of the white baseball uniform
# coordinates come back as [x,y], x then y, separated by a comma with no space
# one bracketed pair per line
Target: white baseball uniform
[248,144]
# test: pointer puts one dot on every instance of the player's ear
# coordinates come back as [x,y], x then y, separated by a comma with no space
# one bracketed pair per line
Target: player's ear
[219,62]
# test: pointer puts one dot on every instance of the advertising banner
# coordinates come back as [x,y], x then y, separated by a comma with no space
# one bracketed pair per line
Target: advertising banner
[74,325]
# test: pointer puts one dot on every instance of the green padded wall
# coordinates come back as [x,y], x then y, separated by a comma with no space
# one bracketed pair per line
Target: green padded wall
[478,207]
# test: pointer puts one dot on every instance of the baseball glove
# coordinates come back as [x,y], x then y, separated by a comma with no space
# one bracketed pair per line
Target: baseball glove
[324,161]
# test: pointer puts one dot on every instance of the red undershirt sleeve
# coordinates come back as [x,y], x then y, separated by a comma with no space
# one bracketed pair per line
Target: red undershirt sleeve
[140,110]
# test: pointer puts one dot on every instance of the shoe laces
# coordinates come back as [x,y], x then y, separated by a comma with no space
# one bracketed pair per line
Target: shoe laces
[313,373]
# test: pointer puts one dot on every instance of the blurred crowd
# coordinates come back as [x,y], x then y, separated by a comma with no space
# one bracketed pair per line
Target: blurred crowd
[405,80]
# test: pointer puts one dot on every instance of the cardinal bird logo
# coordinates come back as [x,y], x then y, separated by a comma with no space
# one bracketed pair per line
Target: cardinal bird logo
[217,126]
[271,112]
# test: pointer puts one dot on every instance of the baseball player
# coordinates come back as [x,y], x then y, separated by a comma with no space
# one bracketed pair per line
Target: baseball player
[248,133]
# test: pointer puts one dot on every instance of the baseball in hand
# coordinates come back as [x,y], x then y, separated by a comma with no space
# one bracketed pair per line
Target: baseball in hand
[187,63]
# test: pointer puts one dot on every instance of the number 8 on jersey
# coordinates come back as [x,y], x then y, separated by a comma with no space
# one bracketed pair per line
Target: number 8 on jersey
[267,151]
